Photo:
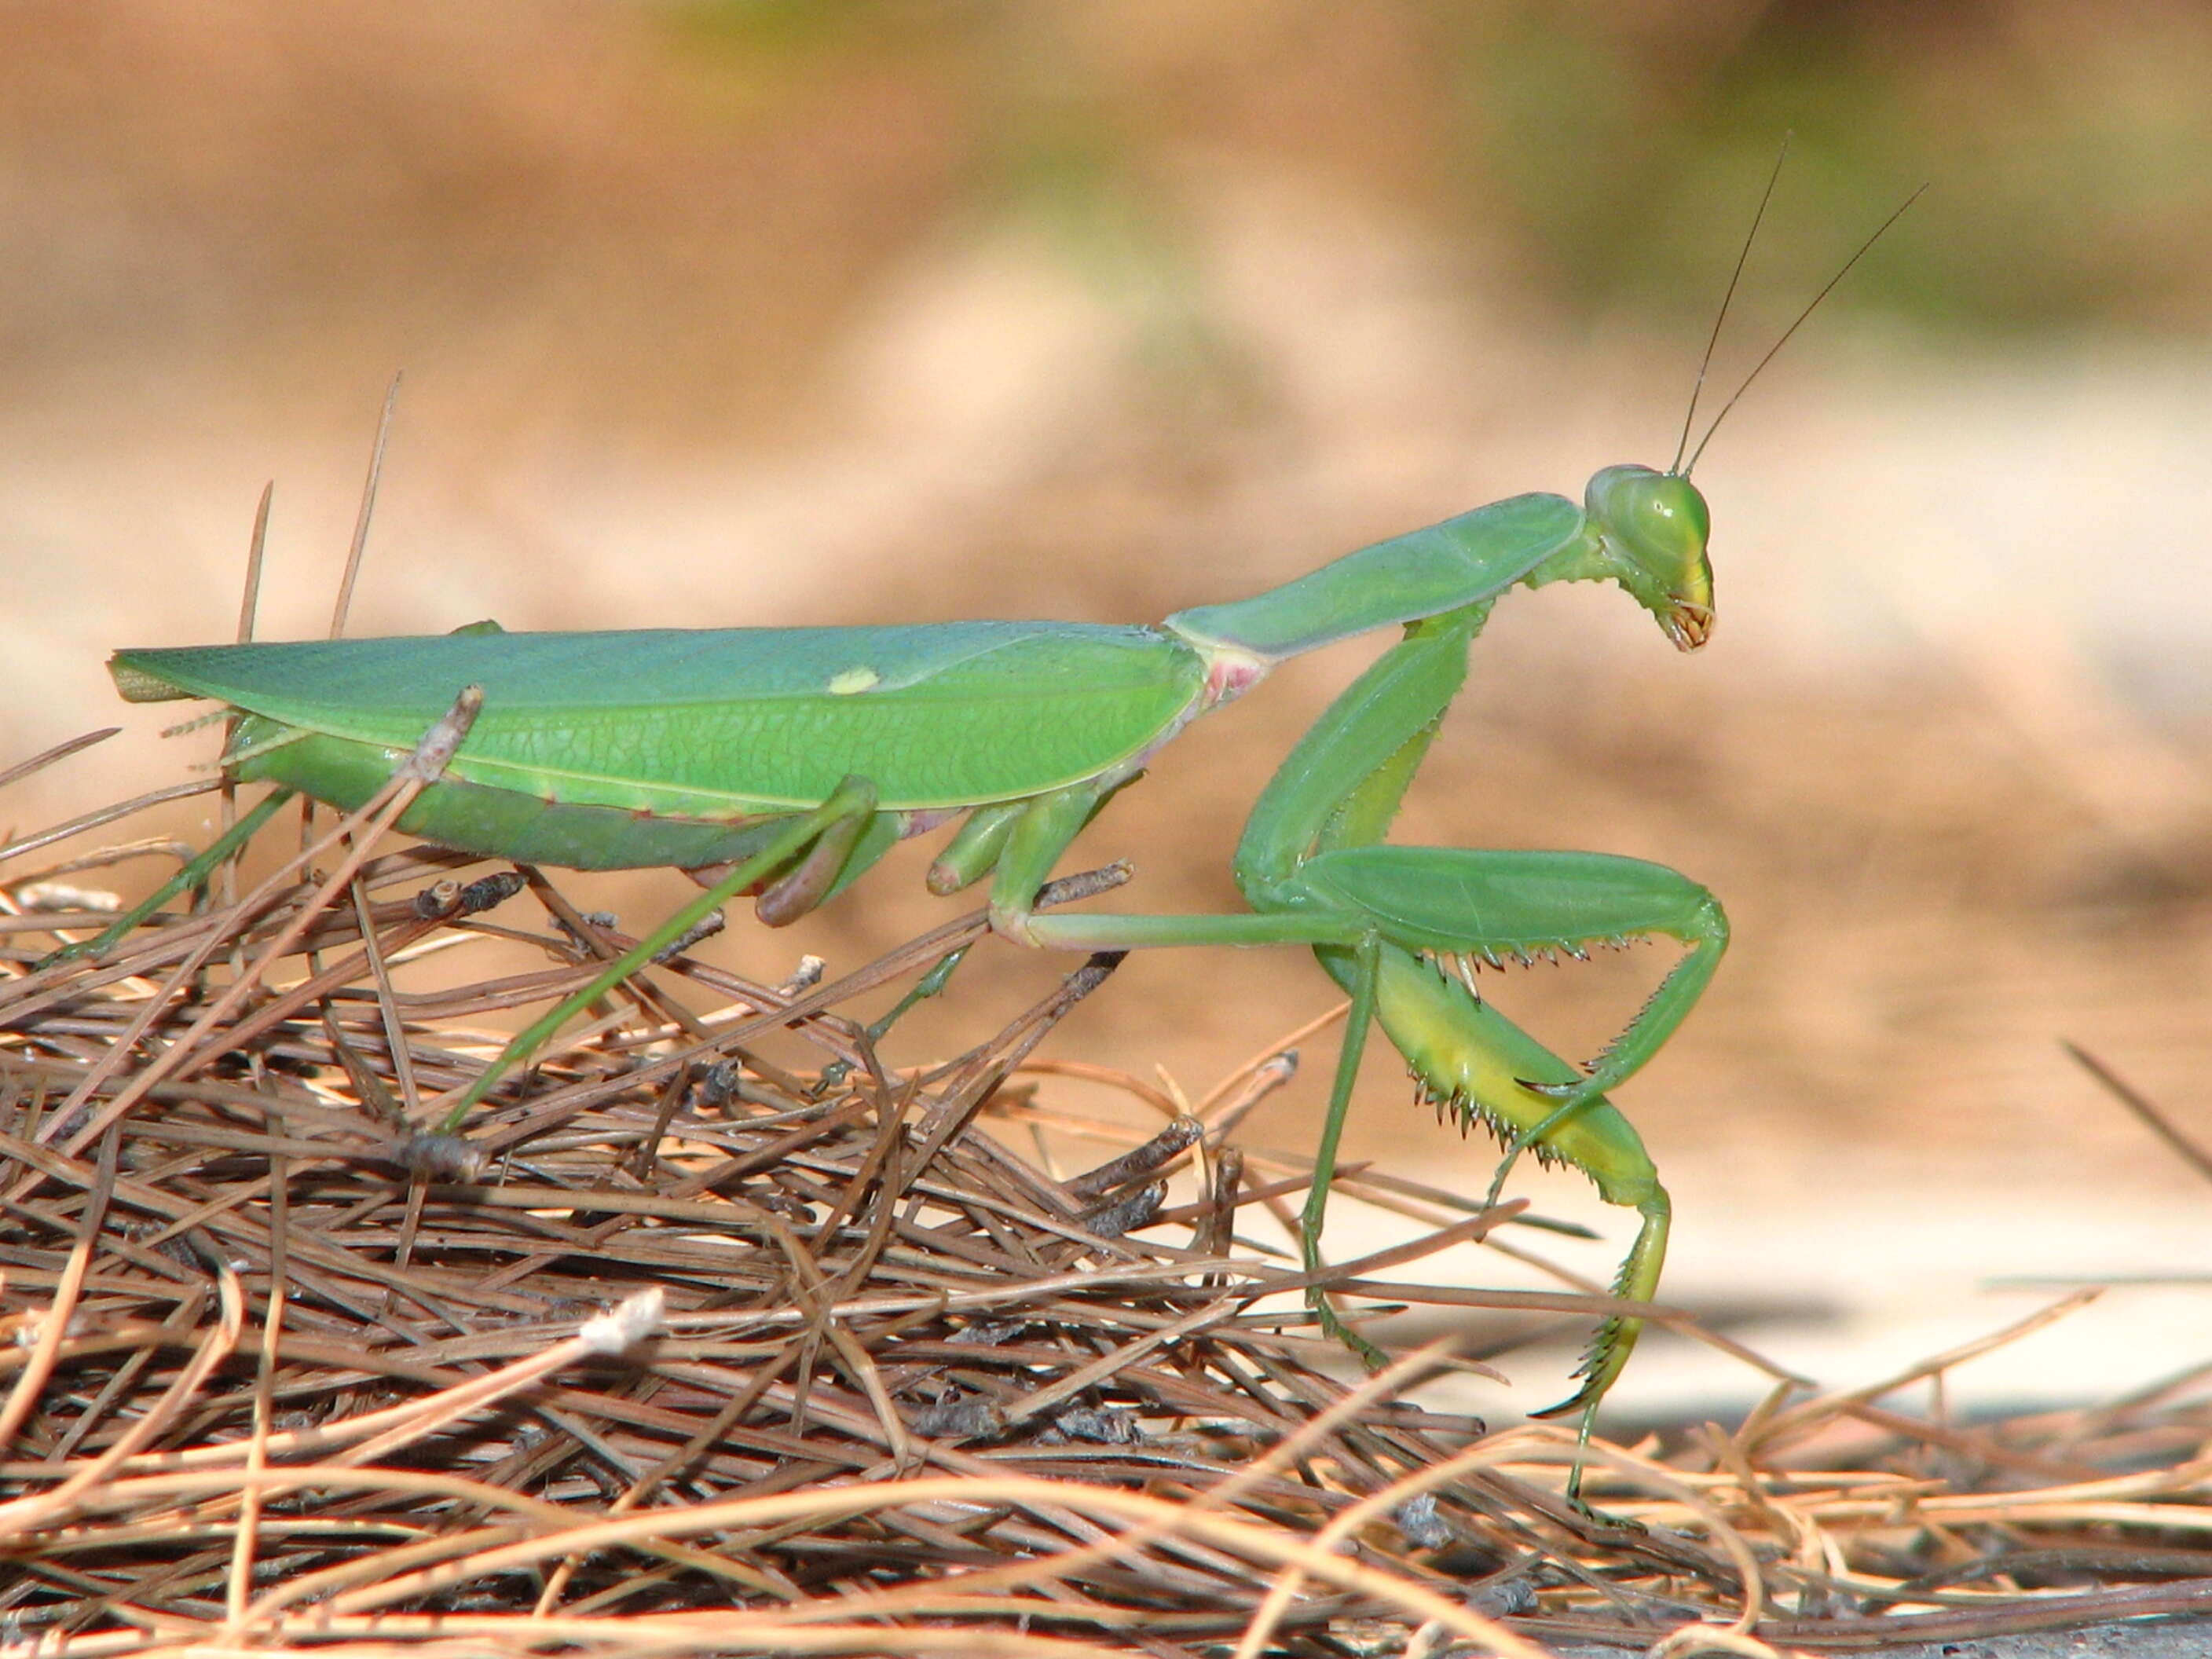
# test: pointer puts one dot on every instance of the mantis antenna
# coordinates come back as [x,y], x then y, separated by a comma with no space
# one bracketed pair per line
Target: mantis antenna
[1827,288]
[1743,254]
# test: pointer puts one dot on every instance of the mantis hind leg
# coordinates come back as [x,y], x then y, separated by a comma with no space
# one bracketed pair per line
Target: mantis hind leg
[1019,840]
[824,866]
[844,849]
[853,801]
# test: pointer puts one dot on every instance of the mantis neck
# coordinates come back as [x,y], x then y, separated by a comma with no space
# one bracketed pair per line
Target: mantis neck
[1427,576]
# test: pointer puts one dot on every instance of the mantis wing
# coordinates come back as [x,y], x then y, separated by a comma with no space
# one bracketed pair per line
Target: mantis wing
[717,724]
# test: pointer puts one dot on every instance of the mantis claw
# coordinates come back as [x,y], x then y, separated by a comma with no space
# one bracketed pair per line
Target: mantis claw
[1566,1093]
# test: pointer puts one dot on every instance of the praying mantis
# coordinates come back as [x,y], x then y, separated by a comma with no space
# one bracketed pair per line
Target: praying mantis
[800,756]
[784,762]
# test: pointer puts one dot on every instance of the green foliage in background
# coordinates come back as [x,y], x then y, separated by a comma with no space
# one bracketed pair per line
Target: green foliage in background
[2059,141]
[1608,153]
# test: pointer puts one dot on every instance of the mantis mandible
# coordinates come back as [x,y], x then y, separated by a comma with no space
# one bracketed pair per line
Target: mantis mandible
[787,761]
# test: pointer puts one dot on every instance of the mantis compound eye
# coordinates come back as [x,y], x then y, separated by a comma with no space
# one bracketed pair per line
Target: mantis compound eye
[1655,525]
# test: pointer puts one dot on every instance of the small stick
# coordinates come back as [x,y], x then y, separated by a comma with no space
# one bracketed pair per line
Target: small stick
[413,775]
[61,751]
[2141,1105]
[367,509]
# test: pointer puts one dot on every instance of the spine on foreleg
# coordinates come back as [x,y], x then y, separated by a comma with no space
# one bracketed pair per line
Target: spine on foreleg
[1466,1055]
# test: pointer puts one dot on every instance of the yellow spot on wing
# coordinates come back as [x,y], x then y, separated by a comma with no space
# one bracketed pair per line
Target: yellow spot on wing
[852,680]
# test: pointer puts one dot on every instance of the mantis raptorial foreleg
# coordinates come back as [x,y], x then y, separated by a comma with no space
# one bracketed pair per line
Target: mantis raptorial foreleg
[1385,921]
[1460,1052]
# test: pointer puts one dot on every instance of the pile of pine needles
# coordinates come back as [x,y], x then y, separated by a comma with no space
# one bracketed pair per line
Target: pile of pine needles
[674,1346]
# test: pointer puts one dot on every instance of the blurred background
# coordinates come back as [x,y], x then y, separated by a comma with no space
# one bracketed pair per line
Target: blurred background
[767,312]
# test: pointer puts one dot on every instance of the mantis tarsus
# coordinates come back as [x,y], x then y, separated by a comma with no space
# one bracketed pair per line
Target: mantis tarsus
[784,763]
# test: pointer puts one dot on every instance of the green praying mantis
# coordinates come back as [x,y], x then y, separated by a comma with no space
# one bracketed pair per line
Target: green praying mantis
[800,756]
[787,761]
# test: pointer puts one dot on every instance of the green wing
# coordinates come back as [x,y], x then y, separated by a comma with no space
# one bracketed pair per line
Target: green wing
[718,723]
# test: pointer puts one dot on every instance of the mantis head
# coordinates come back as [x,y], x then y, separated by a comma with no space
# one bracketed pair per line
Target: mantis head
[1646,530]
